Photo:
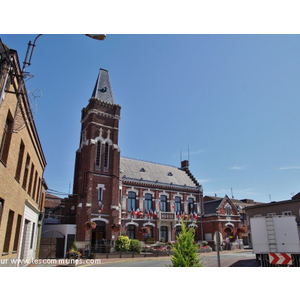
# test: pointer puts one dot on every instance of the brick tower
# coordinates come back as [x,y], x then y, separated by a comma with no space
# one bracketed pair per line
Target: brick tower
[96,186]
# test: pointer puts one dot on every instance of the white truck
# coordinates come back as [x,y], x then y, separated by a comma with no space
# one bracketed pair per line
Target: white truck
[275,240]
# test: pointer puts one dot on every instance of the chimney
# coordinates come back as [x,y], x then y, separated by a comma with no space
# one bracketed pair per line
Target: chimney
[185,165]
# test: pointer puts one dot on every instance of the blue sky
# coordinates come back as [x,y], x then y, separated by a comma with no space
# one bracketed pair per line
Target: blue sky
[231,100]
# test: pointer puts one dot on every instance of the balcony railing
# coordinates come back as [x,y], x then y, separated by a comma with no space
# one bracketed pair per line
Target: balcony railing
[163,215]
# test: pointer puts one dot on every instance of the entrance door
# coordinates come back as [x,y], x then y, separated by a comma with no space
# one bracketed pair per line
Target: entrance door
[164,233]
[99,238]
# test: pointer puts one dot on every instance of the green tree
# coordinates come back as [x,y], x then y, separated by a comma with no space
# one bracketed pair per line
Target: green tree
[185,249]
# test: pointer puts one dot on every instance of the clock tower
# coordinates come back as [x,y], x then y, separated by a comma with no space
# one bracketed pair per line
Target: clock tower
[97,184]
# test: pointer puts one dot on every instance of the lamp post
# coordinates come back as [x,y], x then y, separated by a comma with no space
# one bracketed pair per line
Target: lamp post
[28,57]
[30,48]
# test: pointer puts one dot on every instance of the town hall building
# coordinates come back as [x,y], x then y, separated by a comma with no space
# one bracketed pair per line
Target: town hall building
[122,194]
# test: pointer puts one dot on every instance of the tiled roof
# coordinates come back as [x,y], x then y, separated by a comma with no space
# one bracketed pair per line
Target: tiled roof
[52,201]
[144,171]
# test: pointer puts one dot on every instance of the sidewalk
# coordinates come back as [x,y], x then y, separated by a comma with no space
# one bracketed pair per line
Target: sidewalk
[87,262]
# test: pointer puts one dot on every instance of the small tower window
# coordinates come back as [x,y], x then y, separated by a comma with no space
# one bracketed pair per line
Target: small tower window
[106,156]
[98,153]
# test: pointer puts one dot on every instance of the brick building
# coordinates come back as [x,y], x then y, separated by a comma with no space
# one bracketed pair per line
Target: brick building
[22,164]
[109,189]
[219,211]
[221,214]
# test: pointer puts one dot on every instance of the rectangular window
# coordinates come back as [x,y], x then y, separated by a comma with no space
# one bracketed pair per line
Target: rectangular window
[20,161]
[17,234]
[9,226]
[99,195]
[131,202]
[32,235]
[191,205]
[26,172]
[34,185]
[6,138]
[106,156]
[177,204]
[148,202]
[163,203]
[98,153]
[30,178]
[1,209]
[37,198]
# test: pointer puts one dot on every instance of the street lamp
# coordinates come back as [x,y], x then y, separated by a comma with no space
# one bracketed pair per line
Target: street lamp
[99,37]
[28,56]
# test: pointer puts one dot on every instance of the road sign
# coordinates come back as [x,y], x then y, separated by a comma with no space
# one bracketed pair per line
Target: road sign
[280,259]
[220,241]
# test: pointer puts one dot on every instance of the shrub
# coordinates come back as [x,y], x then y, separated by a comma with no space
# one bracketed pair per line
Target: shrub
[122,243]
[185,249]
[74,246]
[135,245]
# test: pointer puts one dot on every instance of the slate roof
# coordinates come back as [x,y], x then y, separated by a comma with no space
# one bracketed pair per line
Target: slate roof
[102,89]
[210,207]
[143,171]
[4,52]
[3,48]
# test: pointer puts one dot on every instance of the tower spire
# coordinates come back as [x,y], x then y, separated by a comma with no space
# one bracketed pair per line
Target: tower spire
[102,89]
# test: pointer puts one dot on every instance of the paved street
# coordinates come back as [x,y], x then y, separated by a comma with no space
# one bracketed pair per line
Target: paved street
[227,258]
[235,258]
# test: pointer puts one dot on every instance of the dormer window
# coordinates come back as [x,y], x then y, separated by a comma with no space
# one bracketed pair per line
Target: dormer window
[142,170]
[170,174]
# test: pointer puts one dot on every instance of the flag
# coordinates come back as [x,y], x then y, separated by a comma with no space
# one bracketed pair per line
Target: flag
[155,213]
[137,212]
[178,216]
[150,213]
[132,213]
[195,215]
[101,208]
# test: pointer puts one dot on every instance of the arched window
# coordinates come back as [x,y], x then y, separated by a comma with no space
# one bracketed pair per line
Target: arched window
[191,205]
[227,209]
[163,203]
[164,233]
[177,204]
[98,154]
[131,232]
[131,202]
[148,202]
